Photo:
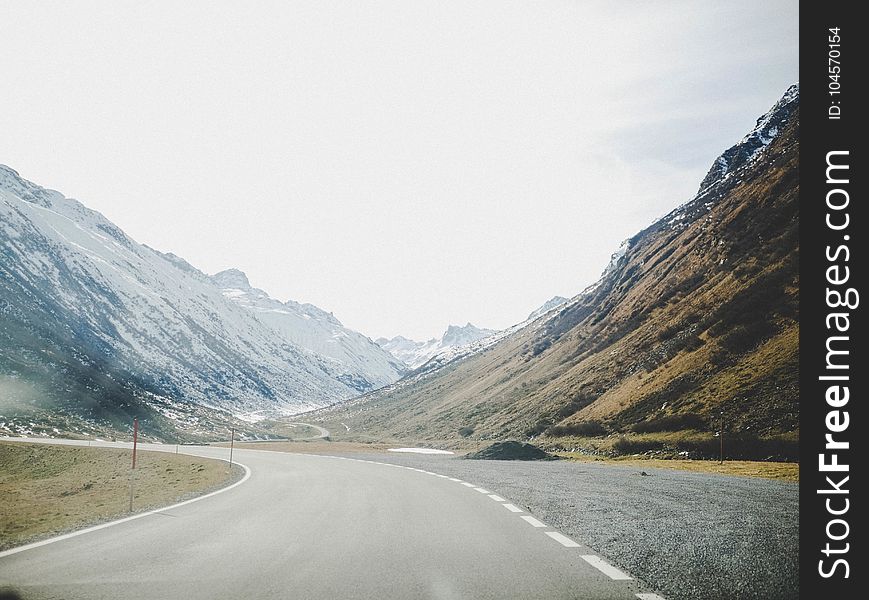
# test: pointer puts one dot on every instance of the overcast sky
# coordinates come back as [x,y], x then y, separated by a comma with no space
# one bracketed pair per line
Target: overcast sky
[403,164]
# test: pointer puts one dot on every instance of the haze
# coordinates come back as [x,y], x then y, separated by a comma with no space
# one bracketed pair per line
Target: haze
[405,165]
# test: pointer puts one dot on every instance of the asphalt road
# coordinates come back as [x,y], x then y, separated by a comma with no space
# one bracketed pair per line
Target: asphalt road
[693,536]
[322,432]
[304,526]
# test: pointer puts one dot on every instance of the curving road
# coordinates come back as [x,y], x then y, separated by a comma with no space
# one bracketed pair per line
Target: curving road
[322,433]
[304,526]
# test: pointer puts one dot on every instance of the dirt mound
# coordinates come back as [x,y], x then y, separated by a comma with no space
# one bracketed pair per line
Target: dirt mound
[510,451]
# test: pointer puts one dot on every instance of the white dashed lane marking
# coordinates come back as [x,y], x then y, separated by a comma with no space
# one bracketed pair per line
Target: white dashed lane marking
[604,567]
[596,561]
[562,539]
[534,522]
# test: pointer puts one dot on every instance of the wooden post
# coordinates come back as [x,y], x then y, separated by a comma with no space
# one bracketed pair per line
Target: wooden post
[231,444]
[133,468]
[135,439]
[721,439]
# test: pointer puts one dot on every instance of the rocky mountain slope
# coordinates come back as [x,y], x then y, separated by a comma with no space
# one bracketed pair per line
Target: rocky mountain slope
[307,326]
[456,342]
[97,326]
[694,320]
[548,306]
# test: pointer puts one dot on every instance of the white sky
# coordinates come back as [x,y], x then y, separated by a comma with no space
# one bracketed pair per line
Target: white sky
[403,164]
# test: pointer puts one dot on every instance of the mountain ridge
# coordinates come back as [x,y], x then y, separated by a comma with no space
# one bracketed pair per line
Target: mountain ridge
[695,314]
[97,326]
[312,328]
[415,354]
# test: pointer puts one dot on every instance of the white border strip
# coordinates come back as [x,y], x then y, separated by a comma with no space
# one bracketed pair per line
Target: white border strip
[532,521]
[562,539]
[649,597]
[604,567]
[73,534]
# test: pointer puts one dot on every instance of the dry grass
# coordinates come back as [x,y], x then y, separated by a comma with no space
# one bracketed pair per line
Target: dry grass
[45,489]
[314,447]
[783,471]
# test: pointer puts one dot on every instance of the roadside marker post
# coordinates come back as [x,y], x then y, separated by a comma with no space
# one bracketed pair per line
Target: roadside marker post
[135,439]
[721,438]
[231,444]
[133,468]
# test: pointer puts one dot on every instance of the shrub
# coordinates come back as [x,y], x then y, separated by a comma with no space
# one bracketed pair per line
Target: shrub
[633,446]
[743,338]
[743,447]
[466,431]
[693,343]
[586,428]
[538,428]
[667,332]
[737,446]
[580,401]
[540,347]
[671,423]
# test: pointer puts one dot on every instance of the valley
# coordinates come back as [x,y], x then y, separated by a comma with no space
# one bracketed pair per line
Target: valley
[693,327]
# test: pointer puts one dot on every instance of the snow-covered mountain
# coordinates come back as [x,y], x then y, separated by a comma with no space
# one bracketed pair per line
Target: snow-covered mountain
[766,129]
[550,304]
[310,327]
[94,321]
[415,354]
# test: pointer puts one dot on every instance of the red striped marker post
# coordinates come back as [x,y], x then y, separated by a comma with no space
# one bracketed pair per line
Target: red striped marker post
[133,469]
[231,444]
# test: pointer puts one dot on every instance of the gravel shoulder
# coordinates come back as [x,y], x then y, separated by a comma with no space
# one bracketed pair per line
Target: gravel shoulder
[690,535]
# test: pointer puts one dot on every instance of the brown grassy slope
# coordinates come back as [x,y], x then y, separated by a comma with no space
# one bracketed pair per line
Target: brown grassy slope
[700,316]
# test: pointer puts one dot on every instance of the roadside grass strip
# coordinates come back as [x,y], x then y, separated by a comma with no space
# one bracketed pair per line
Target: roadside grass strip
[140,515]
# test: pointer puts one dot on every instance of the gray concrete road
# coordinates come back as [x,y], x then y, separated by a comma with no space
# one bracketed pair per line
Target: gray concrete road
[323,527]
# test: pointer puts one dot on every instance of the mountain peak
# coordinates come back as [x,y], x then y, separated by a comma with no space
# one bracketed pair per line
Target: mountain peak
[231,278]
[550,304]
[766,129]
[457,335]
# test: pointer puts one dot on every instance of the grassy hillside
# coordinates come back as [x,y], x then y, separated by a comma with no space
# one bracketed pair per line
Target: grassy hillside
[697,322]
